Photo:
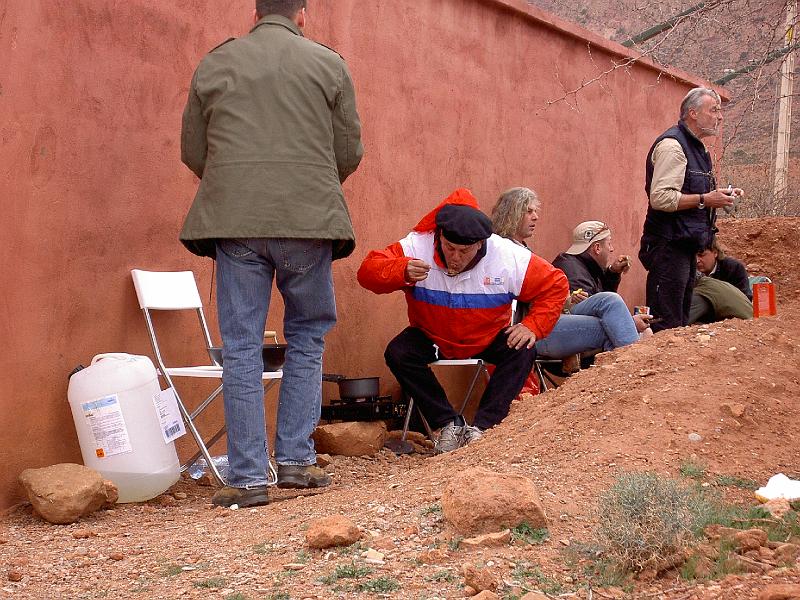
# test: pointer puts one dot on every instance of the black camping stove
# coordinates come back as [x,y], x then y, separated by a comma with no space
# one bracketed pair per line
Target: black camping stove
[374,408]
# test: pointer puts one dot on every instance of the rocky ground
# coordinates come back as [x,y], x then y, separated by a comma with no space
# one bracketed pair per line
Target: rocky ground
[722,398]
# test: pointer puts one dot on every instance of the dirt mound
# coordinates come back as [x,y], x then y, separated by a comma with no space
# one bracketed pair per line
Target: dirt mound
[768,246]
[723,396]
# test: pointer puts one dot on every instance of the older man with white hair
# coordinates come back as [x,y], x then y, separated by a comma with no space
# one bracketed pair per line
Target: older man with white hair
[683,200]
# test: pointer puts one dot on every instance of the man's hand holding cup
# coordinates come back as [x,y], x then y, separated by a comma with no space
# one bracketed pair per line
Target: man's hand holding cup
[722,197]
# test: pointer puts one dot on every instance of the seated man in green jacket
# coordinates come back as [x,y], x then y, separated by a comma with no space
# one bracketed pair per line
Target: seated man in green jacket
[715,300]
[712,261]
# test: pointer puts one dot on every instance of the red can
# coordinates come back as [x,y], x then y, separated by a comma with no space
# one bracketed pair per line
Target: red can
[764,300]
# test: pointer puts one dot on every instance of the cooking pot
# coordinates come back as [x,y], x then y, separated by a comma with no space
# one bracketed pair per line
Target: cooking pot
[361,387]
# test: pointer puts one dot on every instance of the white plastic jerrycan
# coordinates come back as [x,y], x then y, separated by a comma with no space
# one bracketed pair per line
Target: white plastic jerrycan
[114,407]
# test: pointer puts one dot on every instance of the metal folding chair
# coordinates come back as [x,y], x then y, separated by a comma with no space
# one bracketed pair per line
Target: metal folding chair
[480,367]
[547,379]
[544,375]
[518,312]
[173,291]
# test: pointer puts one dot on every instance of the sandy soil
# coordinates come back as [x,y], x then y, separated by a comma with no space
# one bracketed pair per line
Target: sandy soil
[634,410]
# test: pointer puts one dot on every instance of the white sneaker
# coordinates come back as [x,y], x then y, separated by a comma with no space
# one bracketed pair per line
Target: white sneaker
[450,437]
[471,434]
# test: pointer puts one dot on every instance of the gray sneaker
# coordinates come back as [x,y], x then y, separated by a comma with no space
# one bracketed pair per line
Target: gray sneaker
[450,438]
[471,434]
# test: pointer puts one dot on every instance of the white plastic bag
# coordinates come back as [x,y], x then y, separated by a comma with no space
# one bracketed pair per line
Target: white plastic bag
[779,486]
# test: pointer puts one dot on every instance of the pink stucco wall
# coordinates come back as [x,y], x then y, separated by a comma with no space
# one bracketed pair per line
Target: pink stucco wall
[451,93]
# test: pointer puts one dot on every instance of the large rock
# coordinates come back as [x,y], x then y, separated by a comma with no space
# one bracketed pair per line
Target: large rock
[350,439]
[336,530]
[66,492]
[479,501]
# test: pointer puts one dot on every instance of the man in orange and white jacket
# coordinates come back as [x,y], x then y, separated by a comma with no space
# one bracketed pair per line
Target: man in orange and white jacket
[459,280]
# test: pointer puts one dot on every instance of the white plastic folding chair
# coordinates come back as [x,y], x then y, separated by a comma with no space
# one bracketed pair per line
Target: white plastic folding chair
[174,291]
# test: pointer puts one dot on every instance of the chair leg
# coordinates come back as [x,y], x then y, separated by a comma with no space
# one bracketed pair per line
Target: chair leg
[203,405]
[425,424]
[552,381]
[544,377]
[203,446]
[407,420]
[188,420]
[204,450]
[215,473]
[540,375]
[481,368]
[272,475]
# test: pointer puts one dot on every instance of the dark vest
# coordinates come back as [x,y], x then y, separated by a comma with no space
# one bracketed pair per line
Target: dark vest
[693,227]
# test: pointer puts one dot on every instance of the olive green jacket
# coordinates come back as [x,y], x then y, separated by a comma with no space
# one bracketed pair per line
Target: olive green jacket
[727,300]
[271,129]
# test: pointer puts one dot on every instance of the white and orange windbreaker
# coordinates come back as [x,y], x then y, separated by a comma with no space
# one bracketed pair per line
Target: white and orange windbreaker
[464,313]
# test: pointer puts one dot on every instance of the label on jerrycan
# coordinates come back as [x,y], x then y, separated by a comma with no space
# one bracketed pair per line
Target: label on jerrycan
[105,419]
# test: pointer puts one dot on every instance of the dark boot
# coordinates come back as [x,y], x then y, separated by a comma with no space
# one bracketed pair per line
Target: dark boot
[302,477]
[242,497]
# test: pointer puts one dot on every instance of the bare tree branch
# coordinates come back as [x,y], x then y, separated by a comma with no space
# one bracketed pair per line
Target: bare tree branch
[721,37]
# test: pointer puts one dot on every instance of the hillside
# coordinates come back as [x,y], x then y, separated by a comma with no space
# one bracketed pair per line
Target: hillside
[633,411]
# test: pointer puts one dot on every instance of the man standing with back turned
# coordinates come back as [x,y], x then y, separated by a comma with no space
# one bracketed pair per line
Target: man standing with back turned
[682,210]
[271,129]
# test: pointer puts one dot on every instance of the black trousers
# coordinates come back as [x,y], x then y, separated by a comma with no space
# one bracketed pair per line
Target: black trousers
[410,354]
[670,281]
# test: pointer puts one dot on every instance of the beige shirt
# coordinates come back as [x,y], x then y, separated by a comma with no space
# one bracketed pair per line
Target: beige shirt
[669,171]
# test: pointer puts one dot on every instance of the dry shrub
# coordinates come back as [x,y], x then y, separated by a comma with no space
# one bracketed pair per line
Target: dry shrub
[646,519]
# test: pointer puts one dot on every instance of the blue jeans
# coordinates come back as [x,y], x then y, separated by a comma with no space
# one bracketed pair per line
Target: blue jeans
[245,270]
[602,321]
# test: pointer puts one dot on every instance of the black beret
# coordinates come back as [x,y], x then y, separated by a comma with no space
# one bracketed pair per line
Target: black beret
[462,224]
